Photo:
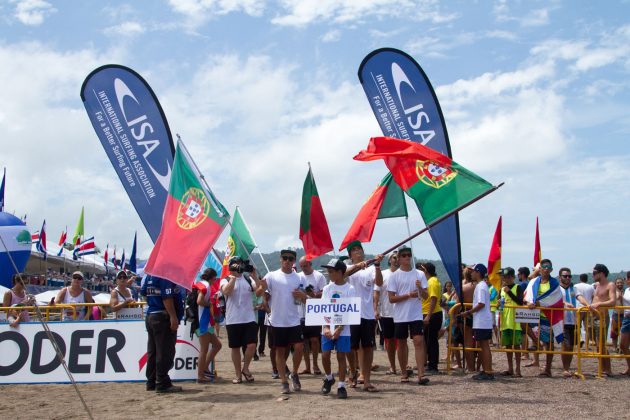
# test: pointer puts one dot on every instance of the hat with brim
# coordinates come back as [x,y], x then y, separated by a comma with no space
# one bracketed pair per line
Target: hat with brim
[288,252]
[336,264]
[353,244]
[77,273]
[507,271]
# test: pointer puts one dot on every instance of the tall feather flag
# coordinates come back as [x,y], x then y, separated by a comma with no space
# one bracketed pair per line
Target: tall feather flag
[240,242]
[2,190]
[314,231]
[494,259]
[41,242]
[386,201]
[537,249]
[193,220]
[79,231]
[62,241]
[105,257]
[132,264]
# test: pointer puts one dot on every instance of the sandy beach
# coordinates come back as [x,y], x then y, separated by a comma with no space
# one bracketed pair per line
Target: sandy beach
[448,396]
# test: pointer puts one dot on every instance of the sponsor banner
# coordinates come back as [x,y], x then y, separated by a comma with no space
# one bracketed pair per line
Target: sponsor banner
[406,107]
[343,311]
[99,351]
[130,313]
[527,316]
[133,130]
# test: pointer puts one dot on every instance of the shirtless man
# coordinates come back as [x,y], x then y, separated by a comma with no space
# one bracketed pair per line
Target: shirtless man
[468,289]
[604,297]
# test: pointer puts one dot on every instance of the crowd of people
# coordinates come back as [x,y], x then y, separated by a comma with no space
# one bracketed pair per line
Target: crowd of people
[402,302]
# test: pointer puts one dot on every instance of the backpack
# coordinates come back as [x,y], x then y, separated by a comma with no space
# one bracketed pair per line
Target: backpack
[192,311]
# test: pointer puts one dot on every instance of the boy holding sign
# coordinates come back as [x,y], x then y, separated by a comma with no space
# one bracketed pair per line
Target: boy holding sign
[336,336]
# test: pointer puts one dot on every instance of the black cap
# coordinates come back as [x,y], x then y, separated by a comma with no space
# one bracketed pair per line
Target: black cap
[336,264]
[404,248]
[507,271]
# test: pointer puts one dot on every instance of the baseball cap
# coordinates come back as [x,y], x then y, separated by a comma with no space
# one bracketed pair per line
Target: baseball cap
[404,248]
[336,264]
[77,273]
[123,272]
[507,271]
[480,268]
[353,244]
[288,251]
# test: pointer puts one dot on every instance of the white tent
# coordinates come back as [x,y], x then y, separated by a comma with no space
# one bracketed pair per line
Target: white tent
[45,297]
[102,298]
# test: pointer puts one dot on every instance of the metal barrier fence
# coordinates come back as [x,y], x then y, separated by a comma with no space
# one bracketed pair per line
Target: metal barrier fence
[56,312]
[592,325]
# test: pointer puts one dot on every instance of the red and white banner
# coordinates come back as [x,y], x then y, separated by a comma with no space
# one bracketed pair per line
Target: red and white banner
[96,351]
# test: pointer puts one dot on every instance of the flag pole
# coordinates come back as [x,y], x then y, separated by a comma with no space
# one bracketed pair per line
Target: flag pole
[205,183]
[442,218]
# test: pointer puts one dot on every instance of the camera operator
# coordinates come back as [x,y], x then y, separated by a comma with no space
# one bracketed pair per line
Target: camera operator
[240,318]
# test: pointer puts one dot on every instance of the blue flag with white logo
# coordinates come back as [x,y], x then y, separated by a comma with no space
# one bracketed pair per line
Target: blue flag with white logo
[133,130]
[406,107]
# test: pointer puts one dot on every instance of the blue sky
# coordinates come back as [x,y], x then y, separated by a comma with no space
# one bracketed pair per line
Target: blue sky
[535,94]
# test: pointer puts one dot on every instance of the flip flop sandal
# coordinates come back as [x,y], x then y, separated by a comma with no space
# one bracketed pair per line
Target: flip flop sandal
[423,381]
[353,381]
[237,381]
[360,381]
[248,376]
[390,372]
[404,379]
[370,388]
[507,373]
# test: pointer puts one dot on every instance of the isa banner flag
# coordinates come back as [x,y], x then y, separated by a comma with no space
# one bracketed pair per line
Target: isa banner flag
[407,108]
[133,130]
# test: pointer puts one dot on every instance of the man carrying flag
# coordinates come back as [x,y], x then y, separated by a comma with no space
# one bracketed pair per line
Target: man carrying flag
[545,292]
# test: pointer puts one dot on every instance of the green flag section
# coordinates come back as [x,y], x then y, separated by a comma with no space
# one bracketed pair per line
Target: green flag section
[437,184]
[314,231]
[78,232]
[386,201]
[193,220]
[240,242]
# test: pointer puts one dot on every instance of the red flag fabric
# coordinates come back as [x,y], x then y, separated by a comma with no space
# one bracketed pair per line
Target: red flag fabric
[537,249]
[314,231]
[494,258]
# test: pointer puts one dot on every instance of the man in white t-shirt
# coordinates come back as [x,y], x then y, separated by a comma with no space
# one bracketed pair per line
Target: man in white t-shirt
[482,322]
[584,293]
[384,313]
[286,297]
[406,288]
[313,282]
[363,336]
[336,337]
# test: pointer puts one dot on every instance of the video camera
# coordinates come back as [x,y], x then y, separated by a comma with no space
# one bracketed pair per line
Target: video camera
[240,266]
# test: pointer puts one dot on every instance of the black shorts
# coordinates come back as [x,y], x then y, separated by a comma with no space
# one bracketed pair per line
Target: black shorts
[286,336]
[311,331]
[403,330]
[569,337]
[387,327]
[468,321]
[240,335]
[363,335]
[481,334]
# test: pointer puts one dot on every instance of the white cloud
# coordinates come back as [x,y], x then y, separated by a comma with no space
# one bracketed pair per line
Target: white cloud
[534,17]
[305,12]
[198,12]
[333,35]
[125,29]
[32,12]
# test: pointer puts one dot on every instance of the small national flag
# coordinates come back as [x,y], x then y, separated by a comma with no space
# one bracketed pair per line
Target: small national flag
[63,237]
[105,257]
[132,265]
[494,259]
[314,231]
[240,242]
[437,184]
[386,201]
[41,242]
[78,232]
[193,220]
[537,249]
[114,259]
[35,236]
[86,247]
[2,190]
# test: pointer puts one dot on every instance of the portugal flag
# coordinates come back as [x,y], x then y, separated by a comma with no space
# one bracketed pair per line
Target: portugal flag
[314,231]
[494,259]
[193,220]
[437,184]
[240,242]
[386,201]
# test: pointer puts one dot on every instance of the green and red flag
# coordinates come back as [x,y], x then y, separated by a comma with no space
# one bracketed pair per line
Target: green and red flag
[494,259]
[386,201]
[314,231]
[193,220]
[240,242]
[537,249]
[436,183]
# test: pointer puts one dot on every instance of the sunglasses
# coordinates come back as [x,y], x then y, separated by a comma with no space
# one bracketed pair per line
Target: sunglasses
[77,278]
[567,276]
[122,277]
[288,258]
[546,267]
[405,255]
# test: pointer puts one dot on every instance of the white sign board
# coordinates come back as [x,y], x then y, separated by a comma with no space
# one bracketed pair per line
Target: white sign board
[527,316]
[130,313]
[344,311]
[95,351]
